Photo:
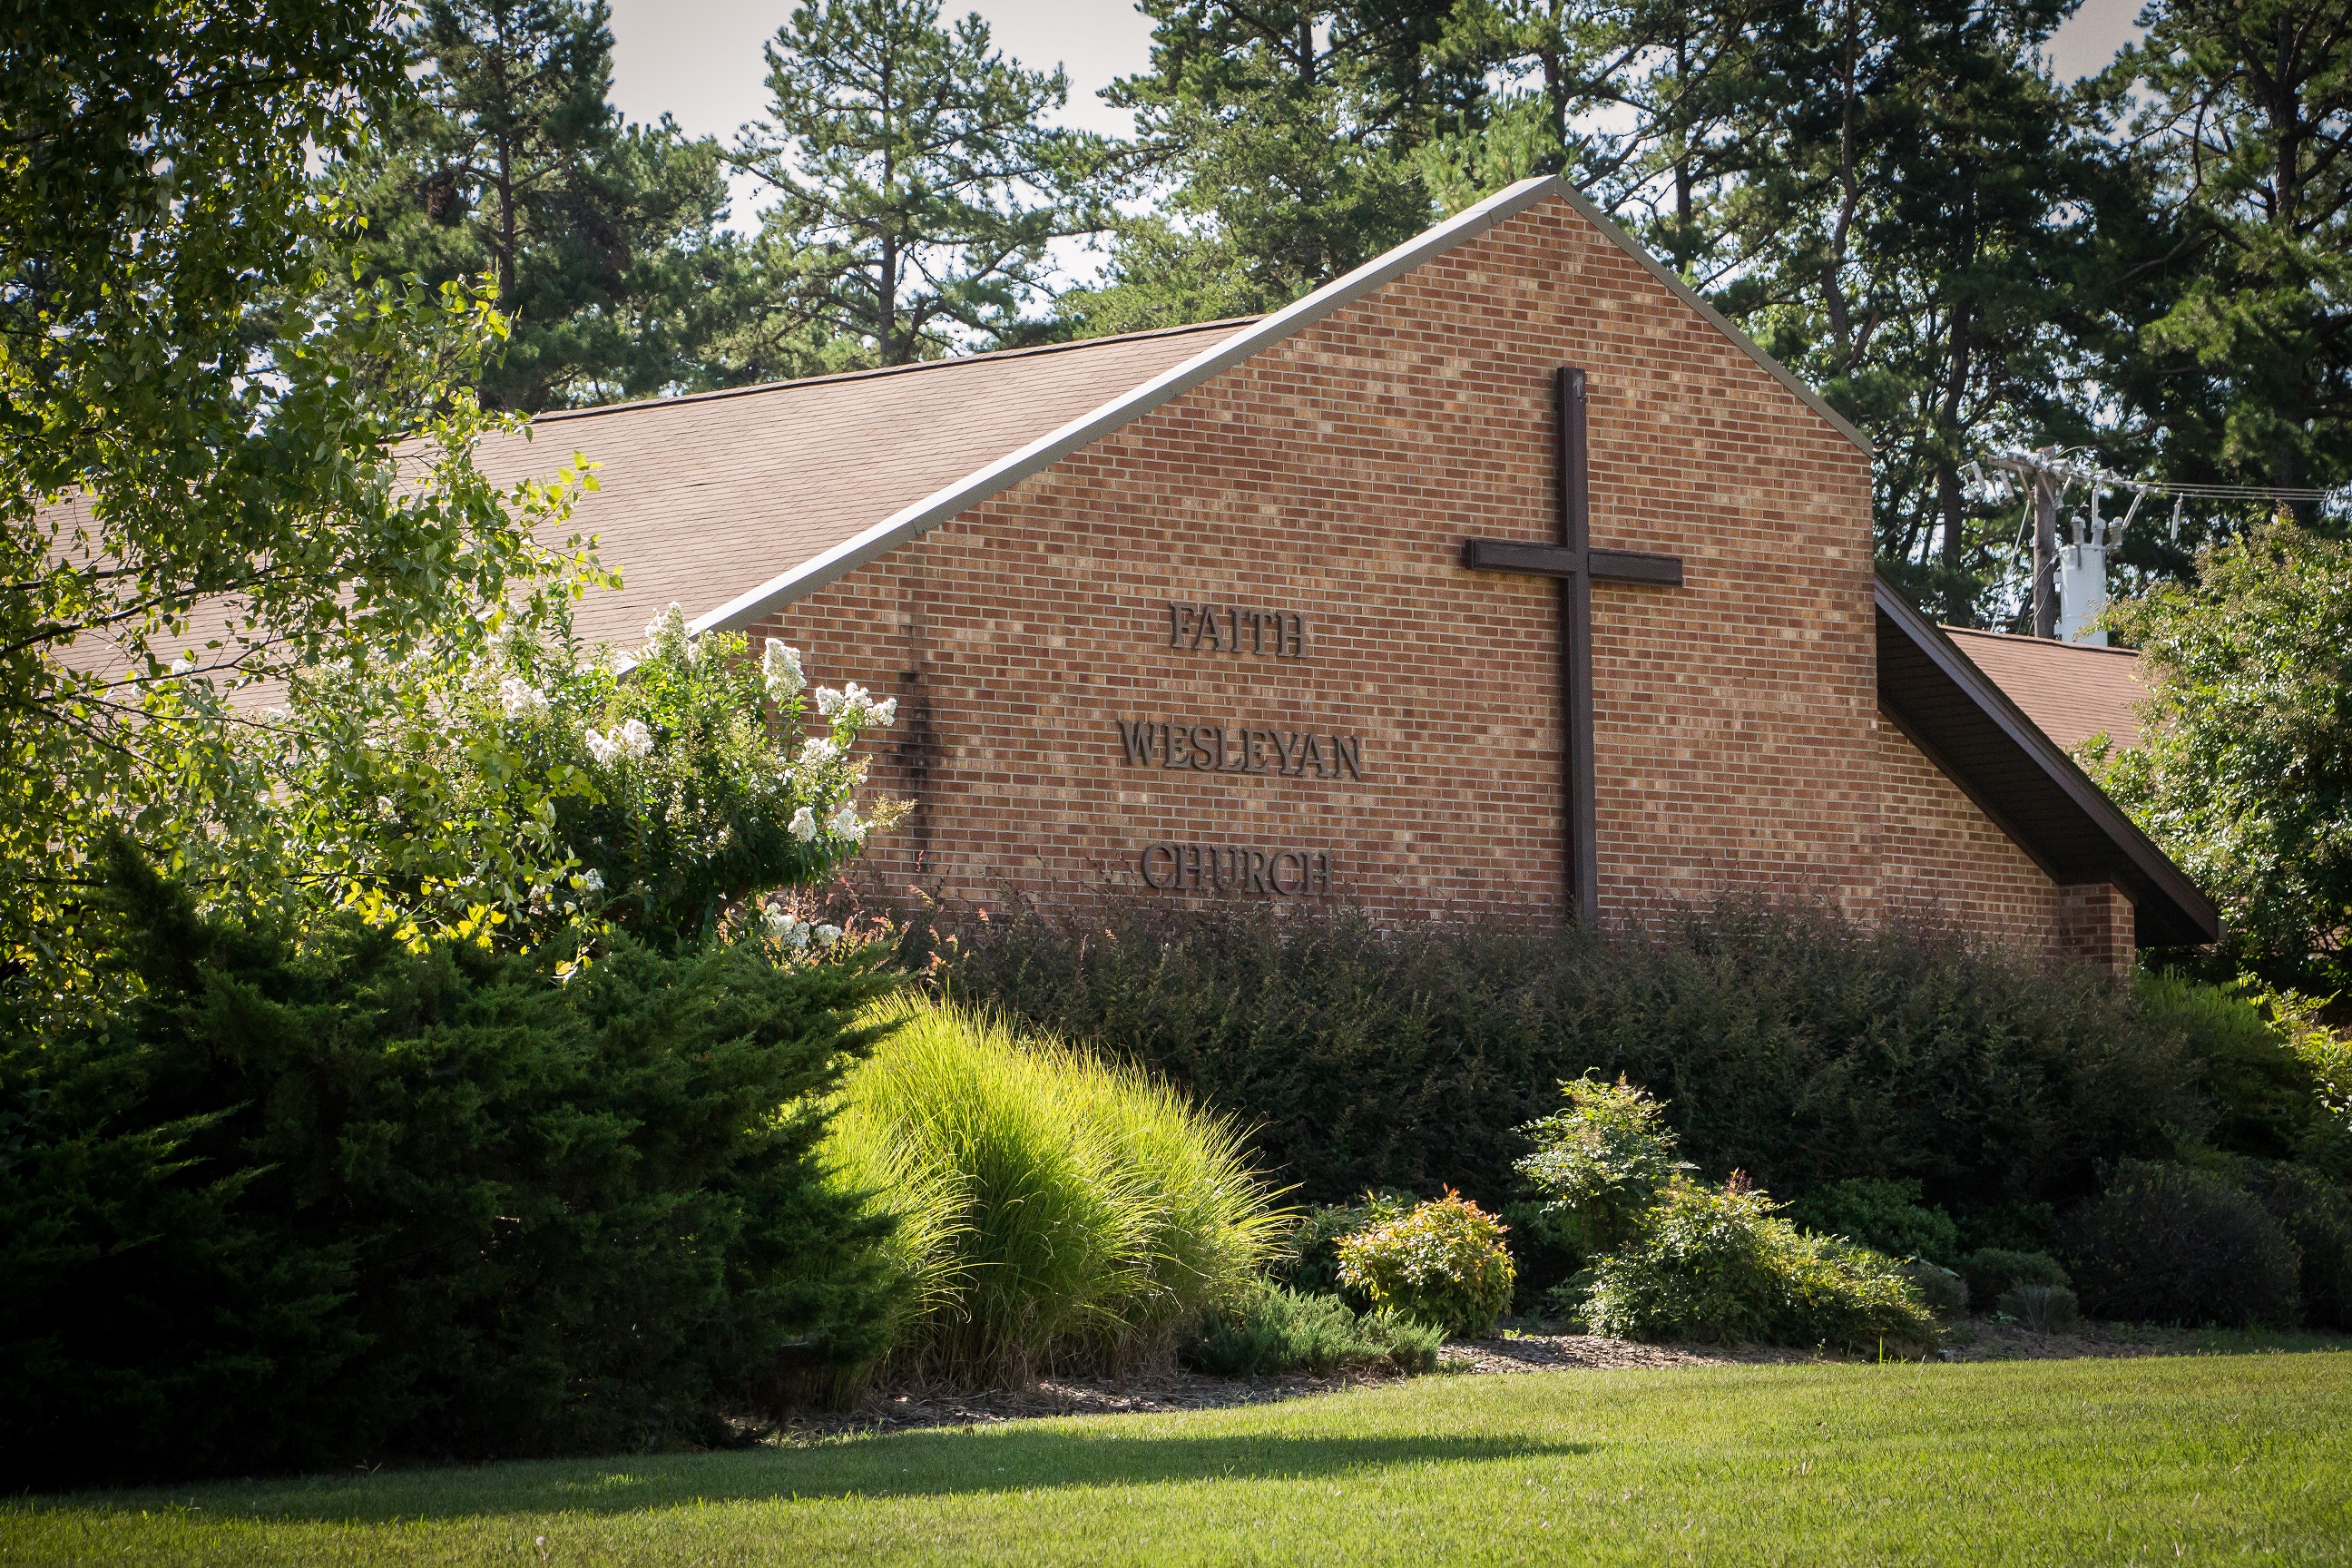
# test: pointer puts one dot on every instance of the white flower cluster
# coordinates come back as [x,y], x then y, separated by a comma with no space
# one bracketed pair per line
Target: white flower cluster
[782,667]
[817,752]
[519,699]
[856,706]
[631,740]
[797,934]
[842,824]
[665,633]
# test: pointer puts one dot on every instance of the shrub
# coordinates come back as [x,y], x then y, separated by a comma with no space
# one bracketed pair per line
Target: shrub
[1941,1291]
[2168,1243]
[1310,1264]
[2265,1095]
[1791,1044]
[1444,1264]
[1721,1264]
[1274,1330]
[2044,1308]
[344,1203]
[1993,1272]
[1885,1216]
[1052,1210]
[2316,1216]
[1546,1249]
[1602,1162]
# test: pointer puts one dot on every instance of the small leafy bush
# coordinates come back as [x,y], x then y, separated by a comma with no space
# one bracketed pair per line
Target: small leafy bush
[1721,1264]
[2318,1217]
[2170,1244]
[1941,1291]
[1050,1209]
[1884,1216]
[1275,1330]
[1993,1272]
[1603,1161]
[1310,1265]
[1444,1263]
[2044,1308]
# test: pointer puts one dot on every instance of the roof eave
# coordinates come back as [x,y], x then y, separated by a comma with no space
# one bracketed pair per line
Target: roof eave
[2190,918]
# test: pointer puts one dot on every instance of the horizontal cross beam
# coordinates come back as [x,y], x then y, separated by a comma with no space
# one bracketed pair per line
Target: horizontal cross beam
[1558,561]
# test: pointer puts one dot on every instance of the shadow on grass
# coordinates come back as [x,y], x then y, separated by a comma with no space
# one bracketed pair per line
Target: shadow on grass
[937,1462]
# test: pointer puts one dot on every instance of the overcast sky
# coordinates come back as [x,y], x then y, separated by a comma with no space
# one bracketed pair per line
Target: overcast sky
[700,60]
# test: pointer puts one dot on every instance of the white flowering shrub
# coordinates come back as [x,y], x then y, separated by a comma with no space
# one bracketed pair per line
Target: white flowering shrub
[535,790]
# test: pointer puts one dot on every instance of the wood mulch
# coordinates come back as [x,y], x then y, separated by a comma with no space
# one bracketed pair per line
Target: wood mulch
[906,1409]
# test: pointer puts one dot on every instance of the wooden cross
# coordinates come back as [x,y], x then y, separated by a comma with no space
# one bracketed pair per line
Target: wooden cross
[1575,564]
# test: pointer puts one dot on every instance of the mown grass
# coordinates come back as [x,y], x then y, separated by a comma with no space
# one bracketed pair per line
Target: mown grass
[2198,1459]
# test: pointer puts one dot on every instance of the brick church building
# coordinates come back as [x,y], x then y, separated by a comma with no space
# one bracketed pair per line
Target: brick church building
[1502,573]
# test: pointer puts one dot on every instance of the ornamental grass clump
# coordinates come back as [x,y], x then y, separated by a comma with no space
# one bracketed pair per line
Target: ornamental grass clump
[1721,1264]
[1442,1263]
[1053,1211]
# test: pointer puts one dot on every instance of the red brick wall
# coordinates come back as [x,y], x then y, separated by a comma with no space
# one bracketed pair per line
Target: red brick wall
[1335,475]
[1942,858]
[2095,926]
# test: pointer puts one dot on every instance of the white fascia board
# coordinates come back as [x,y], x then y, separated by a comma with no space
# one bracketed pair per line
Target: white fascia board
[942,506]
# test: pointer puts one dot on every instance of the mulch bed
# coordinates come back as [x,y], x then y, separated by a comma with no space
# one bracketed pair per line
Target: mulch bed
[905,1409]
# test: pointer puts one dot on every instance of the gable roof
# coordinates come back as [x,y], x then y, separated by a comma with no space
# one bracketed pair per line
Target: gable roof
[701,497]
[2072,691]
[824,475]
[2020,777]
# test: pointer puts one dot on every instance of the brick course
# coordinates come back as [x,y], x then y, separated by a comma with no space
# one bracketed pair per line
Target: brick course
[1737,740]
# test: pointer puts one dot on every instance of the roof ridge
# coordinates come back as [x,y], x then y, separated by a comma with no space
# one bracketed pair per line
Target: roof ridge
[2042,642]
[1027,350]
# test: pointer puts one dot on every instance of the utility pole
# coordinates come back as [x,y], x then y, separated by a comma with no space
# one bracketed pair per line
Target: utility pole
[2045,548]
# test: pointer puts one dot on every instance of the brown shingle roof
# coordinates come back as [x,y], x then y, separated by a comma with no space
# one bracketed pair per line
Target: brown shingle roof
[705,496]
[2071,691]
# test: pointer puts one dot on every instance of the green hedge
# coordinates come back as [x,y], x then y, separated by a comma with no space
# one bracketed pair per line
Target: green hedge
[1791,1044]
[300,1209]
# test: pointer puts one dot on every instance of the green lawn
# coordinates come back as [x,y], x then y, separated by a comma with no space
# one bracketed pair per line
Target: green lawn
[2196,1458]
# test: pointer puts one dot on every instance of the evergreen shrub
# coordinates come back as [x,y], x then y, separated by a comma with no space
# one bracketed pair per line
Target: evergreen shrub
[1941,1291]
[2168,1243]
[303,1208]
[1790,1043]
[1273,1331]
[1442,1263]
[2044,1308]
[1722,1264]
[2316,1216]
[1051,1210]
[1993,1272]
[1885,1216]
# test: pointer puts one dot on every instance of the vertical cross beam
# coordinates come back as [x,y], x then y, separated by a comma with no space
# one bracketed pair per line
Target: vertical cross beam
[1574,531]
[1574,564]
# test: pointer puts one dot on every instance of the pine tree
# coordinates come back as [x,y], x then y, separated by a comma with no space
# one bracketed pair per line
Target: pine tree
[917,189]
[602,238]
[1282,138]
[2241,370]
